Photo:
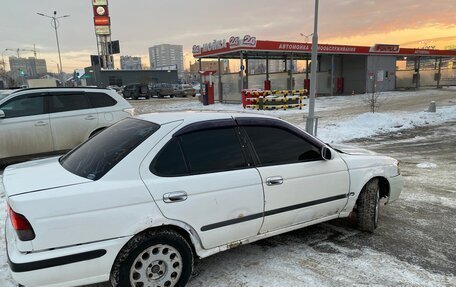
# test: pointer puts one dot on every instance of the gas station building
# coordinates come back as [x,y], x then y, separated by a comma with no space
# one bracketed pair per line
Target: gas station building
[342,69]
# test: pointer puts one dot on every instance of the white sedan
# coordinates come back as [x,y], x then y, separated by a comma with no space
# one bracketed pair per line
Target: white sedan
[138,202]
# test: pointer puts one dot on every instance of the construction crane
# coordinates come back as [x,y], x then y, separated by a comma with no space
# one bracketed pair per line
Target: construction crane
[18,50]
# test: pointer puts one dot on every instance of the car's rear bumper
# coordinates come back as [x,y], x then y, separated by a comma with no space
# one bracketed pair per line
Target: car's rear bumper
[396,184]
[63,267]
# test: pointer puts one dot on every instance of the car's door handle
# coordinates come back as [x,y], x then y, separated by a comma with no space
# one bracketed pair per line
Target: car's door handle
[274,180]
[174,196]
[41,123]
[90,117]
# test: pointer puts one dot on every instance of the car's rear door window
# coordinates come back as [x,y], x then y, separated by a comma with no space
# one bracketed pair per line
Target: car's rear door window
[101,100]
[63,102]
[170,161]
[213,150]
[275,146]
[98,155]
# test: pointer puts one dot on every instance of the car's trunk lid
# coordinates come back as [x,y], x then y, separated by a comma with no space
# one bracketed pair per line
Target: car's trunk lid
[38,175]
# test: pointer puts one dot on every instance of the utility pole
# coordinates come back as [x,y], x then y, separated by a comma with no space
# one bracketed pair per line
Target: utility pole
[313,75]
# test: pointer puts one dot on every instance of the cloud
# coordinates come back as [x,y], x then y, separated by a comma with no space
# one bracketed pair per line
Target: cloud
[140,24]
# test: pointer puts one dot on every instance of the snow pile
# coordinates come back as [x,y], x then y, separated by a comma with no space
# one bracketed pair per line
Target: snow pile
[369,124]
[426,165]
[292,262]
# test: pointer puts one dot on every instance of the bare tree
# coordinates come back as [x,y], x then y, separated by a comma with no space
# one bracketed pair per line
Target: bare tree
[373,99]
[9,80]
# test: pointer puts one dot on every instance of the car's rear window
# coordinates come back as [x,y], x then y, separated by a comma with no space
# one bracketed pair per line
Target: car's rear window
[98,155]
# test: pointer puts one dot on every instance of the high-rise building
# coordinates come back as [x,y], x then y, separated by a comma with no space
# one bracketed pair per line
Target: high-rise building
[166,56]
[130,63]
[31,67]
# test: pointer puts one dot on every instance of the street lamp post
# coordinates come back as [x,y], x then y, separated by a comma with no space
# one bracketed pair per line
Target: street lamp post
[55,25]
[313,75]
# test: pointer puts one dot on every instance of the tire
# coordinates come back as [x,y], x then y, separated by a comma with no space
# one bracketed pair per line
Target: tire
[154,258]
[368,204]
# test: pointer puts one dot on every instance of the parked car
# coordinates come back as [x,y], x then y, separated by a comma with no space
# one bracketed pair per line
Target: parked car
[116,88]
[136,203]
[52,120]
[184,90]
[163,89]
[136,91]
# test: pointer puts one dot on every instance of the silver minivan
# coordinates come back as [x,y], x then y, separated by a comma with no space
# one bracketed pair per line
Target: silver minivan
[52,120]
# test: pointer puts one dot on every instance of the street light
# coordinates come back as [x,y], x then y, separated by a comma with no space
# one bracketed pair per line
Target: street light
[55,25]
[313,75]
[306,36]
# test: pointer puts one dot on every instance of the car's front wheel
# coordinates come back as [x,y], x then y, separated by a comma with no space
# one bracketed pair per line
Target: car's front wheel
[154,258]
[367,206]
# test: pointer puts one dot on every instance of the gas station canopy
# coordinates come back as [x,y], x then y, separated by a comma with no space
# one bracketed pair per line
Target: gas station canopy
[259,49]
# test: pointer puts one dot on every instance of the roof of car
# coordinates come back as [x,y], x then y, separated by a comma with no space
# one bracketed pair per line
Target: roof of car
[192,116]
[59,89]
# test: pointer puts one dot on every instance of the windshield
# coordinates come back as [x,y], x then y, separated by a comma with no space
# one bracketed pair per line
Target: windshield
[99,154]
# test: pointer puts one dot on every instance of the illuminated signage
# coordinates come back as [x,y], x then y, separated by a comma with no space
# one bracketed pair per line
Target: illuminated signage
[385,48]
[101,21]
[214,45]
[100,2]
[102,30]
[234,42]
[100,11]
[246,41]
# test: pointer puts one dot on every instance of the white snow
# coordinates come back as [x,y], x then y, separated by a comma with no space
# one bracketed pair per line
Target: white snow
[303,265]
[427,165]
[369,124]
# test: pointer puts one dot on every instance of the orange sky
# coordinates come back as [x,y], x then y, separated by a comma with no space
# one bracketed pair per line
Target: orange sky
[442,37]
[410,23]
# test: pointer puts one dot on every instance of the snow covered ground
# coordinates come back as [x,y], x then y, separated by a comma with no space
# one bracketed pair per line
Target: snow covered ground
[324,258]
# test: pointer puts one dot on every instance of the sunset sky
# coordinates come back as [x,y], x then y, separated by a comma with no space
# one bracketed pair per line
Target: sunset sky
[140,24]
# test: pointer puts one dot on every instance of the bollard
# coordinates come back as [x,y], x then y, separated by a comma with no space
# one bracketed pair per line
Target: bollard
[432,107]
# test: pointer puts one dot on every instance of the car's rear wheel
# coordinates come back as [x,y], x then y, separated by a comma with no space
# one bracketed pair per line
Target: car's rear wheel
[155,258]
[367,206]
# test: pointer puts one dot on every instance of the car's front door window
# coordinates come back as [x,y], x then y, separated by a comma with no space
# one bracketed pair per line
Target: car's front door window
[23,106]
[275,146]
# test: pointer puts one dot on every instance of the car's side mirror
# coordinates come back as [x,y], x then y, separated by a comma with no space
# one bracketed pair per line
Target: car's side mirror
[2,114]
[326,153]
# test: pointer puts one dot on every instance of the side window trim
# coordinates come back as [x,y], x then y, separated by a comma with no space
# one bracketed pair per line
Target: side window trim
[274,123]
[247,147]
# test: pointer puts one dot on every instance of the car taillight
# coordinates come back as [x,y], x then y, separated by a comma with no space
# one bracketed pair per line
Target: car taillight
[22,226]
[131,111]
